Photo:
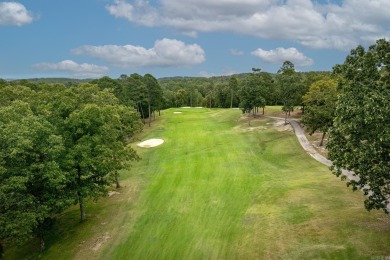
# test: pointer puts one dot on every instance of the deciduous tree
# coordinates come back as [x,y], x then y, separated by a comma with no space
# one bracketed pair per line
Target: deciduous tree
[32,182]
[360,137]
[320,104]
[289,83]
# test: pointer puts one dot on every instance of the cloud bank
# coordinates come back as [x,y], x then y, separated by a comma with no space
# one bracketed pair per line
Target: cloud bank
[164,53]
[76,69]
[13,13]
[337,26]
[279,55]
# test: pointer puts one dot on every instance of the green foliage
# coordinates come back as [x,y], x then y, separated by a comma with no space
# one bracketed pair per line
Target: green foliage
[58,146]
[32,181]
[360,138]
[320,104]
[95,132]
[290,87]
[254,90]
[233,85]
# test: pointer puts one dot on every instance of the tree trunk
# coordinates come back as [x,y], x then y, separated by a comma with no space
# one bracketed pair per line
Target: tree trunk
[1,249]
[159,112]
[285,118]
[41,242]
[82,210]
[150,115]
[322,139]
[263,110]
[118,185]
[142,113]
[231,99]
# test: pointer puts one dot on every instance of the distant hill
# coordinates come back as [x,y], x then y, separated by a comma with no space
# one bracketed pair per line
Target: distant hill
[241,75]
[65,81]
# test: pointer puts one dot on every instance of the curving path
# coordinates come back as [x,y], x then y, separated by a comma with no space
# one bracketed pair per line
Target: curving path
[312,152]
[310,149]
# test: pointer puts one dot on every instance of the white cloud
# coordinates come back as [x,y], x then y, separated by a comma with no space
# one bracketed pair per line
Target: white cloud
[226,72]
[140,11]
[13,13]
[308,22]
[236,52]
[165,53]
[279,55]
[76,69]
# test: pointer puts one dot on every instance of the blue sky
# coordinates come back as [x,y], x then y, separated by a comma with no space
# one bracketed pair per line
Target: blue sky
[95,38]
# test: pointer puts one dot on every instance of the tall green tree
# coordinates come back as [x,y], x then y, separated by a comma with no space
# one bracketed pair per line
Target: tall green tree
[154,94]
[360,137]
[289,84]
[251,93]
[181,97]
[120,152]
[94,132]
[320,104]
[32,182]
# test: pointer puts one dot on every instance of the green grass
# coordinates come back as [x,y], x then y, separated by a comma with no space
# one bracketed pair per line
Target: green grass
[217,189]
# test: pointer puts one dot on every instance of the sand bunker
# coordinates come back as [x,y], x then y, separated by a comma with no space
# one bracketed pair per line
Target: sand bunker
[151,143]
[177,112]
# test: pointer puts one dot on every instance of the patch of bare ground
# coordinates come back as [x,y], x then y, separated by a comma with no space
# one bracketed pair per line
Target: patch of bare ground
[112,192]
[100,241]
[315,140]
[382,223]
[281,126]
[296,114]
[246,128]
[278,125]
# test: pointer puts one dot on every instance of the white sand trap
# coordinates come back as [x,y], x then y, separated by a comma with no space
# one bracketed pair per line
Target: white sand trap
[151,143]
[198,107]
[185,107]
[177,112]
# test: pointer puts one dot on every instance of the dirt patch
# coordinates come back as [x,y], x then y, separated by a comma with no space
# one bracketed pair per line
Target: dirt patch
[151,143]
[244,129]
[315,140]
[100,241]
[112,192]
[280,126]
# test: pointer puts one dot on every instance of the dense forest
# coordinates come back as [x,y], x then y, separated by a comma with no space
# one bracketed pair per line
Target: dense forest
[63,141]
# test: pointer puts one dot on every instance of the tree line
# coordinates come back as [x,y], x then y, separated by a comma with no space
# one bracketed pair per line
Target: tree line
[59,146]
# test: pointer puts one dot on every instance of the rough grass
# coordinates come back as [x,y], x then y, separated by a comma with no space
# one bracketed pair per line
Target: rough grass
[277,111]
[217,189]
